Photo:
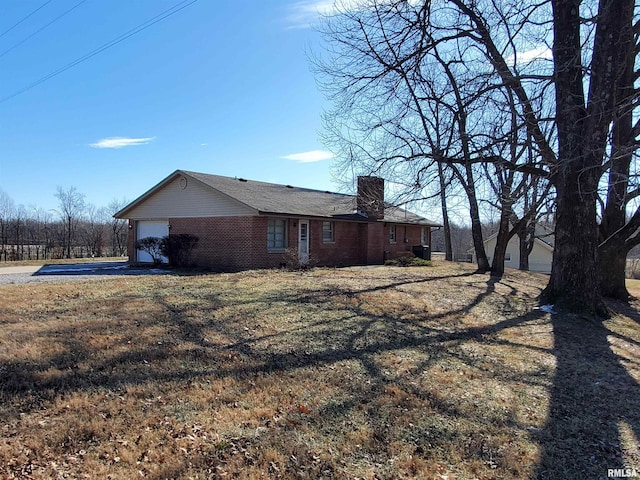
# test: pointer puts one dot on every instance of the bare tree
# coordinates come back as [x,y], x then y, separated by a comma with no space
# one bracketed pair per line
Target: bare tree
[383,54]
[40,232]
[620,215]
[533,227]
[71,204]
[18,231]
[517,195]
[412,95]
[7,208]
[119,229]
[94,229]
[82,229]
[583,120]
[444,206]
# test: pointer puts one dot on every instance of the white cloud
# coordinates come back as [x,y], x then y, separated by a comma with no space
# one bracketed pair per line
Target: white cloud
[120,142]
[528,56]
[304,13]
[309,157]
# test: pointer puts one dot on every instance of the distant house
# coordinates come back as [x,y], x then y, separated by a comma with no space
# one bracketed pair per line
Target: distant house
[539,259]
[244,224]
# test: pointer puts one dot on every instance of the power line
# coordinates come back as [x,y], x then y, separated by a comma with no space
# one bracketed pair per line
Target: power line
[41,29]
[139,28]
[15,25]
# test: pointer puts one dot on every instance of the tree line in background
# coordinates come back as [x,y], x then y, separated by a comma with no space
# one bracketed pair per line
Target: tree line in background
[76,229]
[527,108]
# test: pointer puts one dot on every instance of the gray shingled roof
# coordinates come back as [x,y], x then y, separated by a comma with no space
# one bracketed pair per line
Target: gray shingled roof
[288,200]
[271,198]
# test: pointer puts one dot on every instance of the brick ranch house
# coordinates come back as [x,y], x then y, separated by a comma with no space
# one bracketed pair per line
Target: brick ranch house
[243,224]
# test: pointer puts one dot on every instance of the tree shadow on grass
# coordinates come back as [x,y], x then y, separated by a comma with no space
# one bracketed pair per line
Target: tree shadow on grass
[341,328]
[26,376]
[337,343]
[592,396]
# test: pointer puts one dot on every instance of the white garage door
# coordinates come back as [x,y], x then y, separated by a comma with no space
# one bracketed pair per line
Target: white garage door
[151,228]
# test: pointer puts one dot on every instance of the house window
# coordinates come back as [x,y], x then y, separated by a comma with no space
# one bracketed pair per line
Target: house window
[392,234]
[276,233]
[507,257]
[327,232]
[423,236]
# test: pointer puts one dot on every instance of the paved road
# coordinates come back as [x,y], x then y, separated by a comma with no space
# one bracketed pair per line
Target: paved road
[67,272]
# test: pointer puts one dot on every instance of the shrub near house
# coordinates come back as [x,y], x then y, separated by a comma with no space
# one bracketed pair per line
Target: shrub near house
[176,249]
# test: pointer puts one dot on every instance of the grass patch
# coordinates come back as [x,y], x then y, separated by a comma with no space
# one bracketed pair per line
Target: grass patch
[374,373]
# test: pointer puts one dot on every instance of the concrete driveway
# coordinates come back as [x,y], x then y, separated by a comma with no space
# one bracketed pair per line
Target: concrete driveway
[23,269]
[72,271]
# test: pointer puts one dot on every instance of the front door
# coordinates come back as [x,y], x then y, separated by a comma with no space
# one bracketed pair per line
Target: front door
[303,242]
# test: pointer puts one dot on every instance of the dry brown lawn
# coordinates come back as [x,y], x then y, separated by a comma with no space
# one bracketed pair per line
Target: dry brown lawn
[369,373]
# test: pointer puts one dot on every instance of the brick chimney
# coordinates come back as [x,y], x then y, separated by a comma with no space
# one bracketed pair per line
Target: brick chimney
[370,199]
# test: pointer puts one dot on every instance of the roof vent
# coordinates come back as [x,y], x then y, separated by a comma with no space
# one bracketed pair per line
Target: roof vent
[242,179]
[288,186]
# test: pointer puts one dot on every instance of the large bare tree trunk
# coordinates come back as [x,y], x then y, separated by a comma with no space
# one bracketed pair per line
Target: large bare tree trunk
[574,276]
[582,136]
[448,250]
[614,248]
[476,225]
[612,268]
[502,241]
[526,239]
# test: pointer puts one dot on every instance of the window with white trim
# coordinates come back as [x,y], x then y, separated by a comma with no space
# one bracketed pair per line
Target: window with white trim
[507,257]
[328,232]
[276,238]
[392,234]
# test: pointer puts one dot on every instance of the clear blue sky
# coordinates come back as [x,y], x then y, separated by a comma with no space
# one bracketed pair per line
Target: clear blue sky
[219,87]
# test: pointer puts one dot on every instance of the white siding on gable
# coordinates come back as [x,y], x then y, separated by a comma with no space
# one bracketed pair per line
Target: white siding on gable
[188,199]
[539,258]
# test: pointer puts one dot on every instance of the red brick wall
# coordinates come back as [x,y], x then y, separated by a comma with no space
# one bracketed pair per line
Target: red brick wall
[407,236]
[375,243]
[229,243]
[348,247]
[238,243]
